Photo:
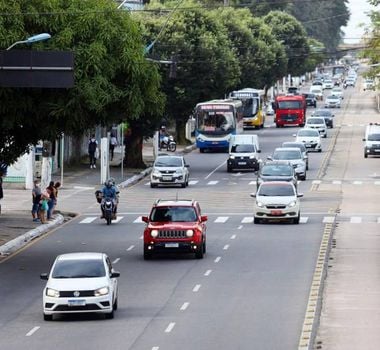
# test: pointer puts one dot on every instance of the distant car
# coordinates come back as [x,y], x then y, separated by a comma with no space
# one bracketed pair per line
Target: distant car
[278,170]
[317,82]
[310,138]
[302,148]
[80,283]
[173,226]
[277,200]
[269,109]
[317,123]
[293,90]
[311,99]
[350,82]
[317,91]
[294,156]
[169,170]
[328,84]
[337,91]
[332,101]
[369,84]
[327,114]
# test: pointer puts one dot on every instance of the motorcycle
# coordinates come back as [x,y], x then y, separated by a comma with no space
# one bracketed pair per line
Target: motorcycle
[168,143]
[107,206]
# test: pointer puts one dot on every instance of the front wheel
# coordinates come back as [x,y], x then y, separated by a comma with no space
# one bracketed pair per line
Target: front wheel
[172,147]
[297,219]
[109,220]
[48,317]
[199,253]
[256,220]
[202,150]
[110,315]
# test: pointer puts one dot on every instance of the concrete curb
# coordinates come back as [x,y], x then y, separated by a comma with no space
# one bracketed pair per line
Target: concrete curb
[17,243]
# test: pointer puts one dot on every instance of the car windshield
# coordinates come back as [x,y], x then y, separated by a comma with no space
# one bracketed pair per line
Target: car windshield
[374,137]
[336,91]
[297,145]
[332,97]
[323,113]
[308,133]
[316,91]
[168,162]
[79,268]
[276,190]
[243,148]
[315,121]
[276,170]
[287,155]
[173,214]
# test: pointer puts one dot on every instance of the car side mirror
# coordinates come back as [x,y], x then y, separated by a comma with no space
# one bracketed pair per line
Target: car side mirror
[204,218]
[364,140]
[44,276]
[253,195]
[299,195]
[145,219]
[259,151]
[269,158]
[115,274]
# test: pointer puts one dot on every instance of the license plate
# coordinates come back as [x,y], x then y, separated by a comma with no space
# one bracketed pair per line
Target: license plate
[171,245]
[242,163]
[307,146]
[214,143]
[77,302]
[167,178]
[276,212]
[377,150]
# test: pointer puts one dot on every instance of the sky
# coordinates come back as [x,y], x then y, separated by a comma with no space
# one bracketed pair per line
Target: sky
[358,9]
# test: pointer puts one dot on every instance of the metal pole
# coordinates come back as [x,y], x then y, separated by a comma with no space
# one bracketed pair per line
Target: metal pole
[122,151]
[62,155]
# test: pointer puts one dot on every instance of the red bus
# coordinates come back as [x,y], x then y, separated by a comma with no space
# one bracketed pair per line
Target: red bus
[290,110]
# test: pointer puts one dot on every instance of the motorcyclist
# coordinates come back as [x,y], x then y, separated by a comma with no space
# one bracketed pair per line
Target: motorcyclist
[110,191]
[163,136]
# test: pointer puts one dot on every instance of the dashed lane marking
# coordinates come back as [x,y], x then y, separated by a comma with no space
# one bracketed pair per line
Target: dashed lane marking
[116,261]
[184,306]
[378,220]
[193,182]
[207,273]
[356,220]
[226,247]
[138,220]
[196,288]
[357,183]
[233,236]
[247,220]
[32,331]
[240,227]
[155,348]
[130,248]
[88,220]
[170,327]
[212,183]
[221,219]
[217,259]
[377,183]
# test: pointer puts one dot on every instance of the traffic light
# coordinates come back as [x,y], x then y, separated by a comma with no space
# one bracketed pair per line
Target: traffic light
[46,149]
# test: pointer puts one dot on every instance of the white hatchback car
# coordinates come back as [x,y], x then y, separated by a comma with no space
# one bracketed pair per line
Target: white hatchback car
[276,200]
[310,138]
[317,123]
[332,101]
[169,170]
[337,91]
[80,283]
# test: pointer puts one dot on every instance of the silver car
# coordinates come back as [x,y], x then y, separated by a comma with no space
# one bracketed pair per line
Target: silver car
[169,170]
[294,156]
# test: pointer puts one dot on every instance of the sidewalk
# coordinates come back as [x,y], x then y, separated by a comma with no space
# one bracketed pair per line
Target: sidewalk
[16,219]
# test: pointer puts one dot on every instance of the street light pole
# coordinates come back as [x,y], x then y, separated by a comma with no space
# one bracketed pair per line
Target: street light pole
[32,39]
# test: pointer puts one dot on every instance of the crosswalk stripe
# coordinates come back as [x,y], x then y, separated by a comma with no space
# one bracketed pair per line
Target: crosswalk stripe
[118,218]
[377,182]
[247,220]
[356,220]
[212,182]
[328,219]
[138,220]
[337,182]
[316,182]
[357,182]
[221,219]
[88,220]
[378,220]
[252,183]
[193,182]
[304,219]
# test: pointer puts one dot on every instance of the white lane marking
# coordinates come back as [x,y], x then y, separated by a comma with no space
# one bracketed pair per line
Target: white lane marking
[138,220]
[337,182]
[155,347]
[378,220]
[357,182]
[170,327]
[141,237]
[247,220]
[217,259]
[221,219]
[240,227]
[196,288]
[224,163]
[316,182]
[184,306]
[84,188]
[130,248]
[328,219]
[88,220]
[355,220]
[252,183]
[212,183]
[377,183]
[207,273]
[233,236]
[118,218]
[116,261]
[32,331]
[303,219]
[193,182]
[148,183]
[226,247]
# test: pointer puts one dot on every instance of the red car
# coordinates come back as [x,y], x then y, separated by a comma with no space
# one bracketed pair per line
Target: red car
[175,225]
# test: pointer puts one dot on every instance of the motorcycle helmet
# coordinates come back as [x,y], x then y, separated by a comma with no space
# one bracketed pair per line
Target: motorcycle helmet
[109,183]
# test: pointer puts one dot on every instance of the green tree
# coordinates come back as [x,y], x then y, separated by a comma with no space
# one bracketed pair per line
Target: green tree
[113,81]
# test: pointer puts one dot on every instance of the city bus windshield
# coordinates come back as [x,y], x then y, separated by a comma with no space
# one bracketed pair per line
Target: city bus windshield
[215,121]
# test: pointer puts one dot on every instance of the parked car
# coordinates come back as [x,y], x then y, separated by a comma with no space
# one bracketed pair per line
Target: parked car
[169,170]
[317,123]
[311,99]
[80,283]
[327,115]
[332,101]
[277,200]
[278,170]
[175,225]
[302,148]
[310,138]
[293,156]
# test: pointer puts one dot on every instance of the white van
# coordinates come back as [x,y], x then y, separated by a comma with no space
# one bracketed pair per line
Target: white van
[372,140]
[243,152]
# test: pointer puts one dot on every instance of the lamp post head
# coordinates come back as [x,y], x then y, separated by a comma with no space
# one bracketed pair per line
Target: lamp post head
[38,37]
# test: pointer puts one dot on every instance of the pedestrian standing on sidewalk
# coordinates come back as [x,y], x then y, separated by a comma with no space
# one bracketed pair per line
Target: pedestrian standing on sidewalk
[52,199]
[113,144]
[36,198]
[92,147]
[44,206]
[1,188]
[57,185]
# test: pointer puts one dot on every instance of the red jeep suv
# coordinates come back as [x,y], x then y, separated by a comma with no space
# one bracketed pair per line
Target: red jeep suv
[175,225]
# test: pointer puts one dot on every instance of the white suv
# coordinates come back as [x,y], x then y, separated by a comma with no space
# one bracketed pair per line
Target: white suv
[169,170]
[317,123]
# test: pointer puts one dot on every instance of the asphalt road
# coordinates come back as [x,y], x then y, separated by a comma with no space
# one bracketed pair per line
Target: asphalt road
[249,292]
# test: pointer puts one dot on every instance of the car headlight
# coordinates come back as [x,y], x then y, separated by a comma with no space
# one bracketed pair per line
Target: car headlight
[52,293]
[189,233]
[232,157]
[154,233]
[292,204]
[179,171]
[252,157]
[259,204]
[156,173]
[101,291]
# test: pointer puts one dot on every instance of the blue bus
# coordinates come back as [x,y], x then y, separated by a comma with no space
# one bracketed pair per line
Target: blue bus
[215,122]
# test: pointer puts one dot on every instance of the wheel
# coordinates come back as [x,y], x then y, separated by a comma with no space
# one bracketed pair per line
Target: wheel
[183,185]
[365,155]
[115,304]
[277,125]
[256,220]
[325,136]
[307,166]
[303,178]
[302,125]
[199,253]
[187,182]
[297,219]
[48,317]
[110,315]
[204,247]
[229,169]
[153,185]
[147,254]
[172,147]
[202,150]
[320,150]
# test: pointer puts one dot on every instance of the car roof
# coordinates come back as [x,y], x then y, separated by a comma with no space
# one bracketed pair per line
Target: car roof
[314,118]
[81,256]
[277,183]
[174,202]
[308,129]
[287,149]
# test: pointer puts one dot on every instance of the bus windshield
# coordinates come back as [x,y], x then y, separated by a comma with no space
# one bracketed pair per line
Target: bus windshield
[289,105]
[250,106]
[215,121]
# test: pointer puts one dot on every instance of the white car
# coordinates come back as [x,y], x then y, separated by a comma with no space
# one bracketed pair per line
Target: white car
[276,200]
[368,84]
[317,123]
[169,170]
[80,283]
[337,91]
[310,138]
[317,91]
[328,84]
[332,101]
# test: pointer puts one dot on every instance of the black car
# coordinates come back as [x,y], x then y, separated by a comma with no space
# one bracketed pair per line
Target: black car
[311,100]
[327,115]
[276,170]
